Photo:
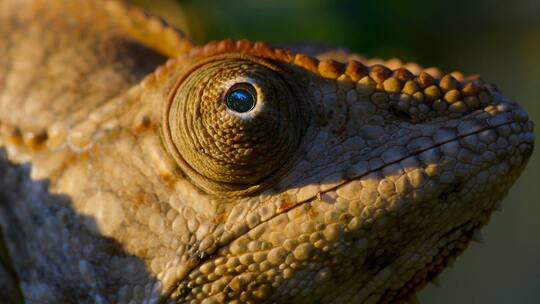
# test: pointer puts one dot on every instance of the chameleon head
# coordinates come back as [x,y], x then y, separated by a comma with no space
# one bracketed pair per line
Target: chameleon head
[336,182]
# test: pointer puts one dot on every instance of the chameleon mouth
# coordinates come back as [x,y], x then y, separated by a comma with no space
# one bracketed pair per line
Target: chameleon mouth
[447,245]
[183,288]
[503,119]
[455,241]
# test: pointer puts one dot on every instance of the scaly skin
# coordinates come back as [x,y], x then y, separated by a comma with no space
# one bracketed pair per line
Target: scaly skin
[347,182]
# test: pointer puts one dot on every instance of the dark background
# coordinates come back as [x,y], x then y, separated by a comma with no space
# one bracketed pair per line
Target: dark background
[498,39]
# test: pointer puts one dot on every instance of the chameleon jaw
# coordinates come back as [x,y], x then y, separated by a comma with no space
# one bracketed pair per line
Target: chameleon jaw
[301,244]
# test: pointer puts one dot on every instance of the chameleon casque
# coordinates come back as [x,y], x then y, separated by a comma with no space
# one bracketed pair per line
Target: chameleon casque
[138,167]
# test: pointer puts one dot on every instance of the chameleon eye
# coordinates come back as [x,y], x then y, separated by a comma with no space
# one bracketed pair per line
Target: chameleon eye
[241,98]
[232,125]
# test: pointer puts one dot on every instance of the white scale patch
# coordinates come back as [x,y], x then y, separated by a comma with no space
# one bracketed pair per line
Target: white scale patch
[107,211]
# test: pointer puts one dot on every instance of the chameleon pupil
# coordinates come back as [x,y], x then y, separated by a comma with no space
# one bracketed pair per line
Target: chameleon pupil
[240,100]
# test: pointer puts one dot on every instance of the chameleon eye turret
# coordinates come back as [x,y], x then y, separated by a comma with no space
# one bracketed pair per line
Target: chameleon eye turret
[232,123]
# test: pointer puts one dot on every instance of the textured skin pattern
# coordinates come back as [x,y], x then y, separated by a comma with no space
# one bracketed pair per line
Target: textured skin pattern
[10,292]
[126,178]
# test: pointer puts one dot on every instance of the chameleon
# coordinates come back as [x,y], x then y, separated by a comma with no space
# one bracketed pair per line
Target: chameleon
[139,167]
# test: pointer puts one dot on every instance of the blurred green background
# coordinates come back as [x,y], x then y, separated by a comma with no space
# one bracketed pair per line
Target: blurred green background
[498,39]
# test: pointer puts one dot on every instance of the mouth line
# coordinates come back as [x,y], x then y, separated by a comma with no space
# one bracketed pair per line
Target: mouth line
[203,257]
[415,153]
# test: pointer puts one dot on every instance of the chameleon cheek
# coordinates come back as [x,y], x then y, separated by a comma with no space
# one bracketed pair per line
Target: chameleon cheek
[231,124]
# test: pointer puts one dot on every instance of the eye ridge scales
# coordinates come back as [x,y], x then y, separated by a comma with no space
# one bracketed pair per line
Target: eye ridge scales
[137,167]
